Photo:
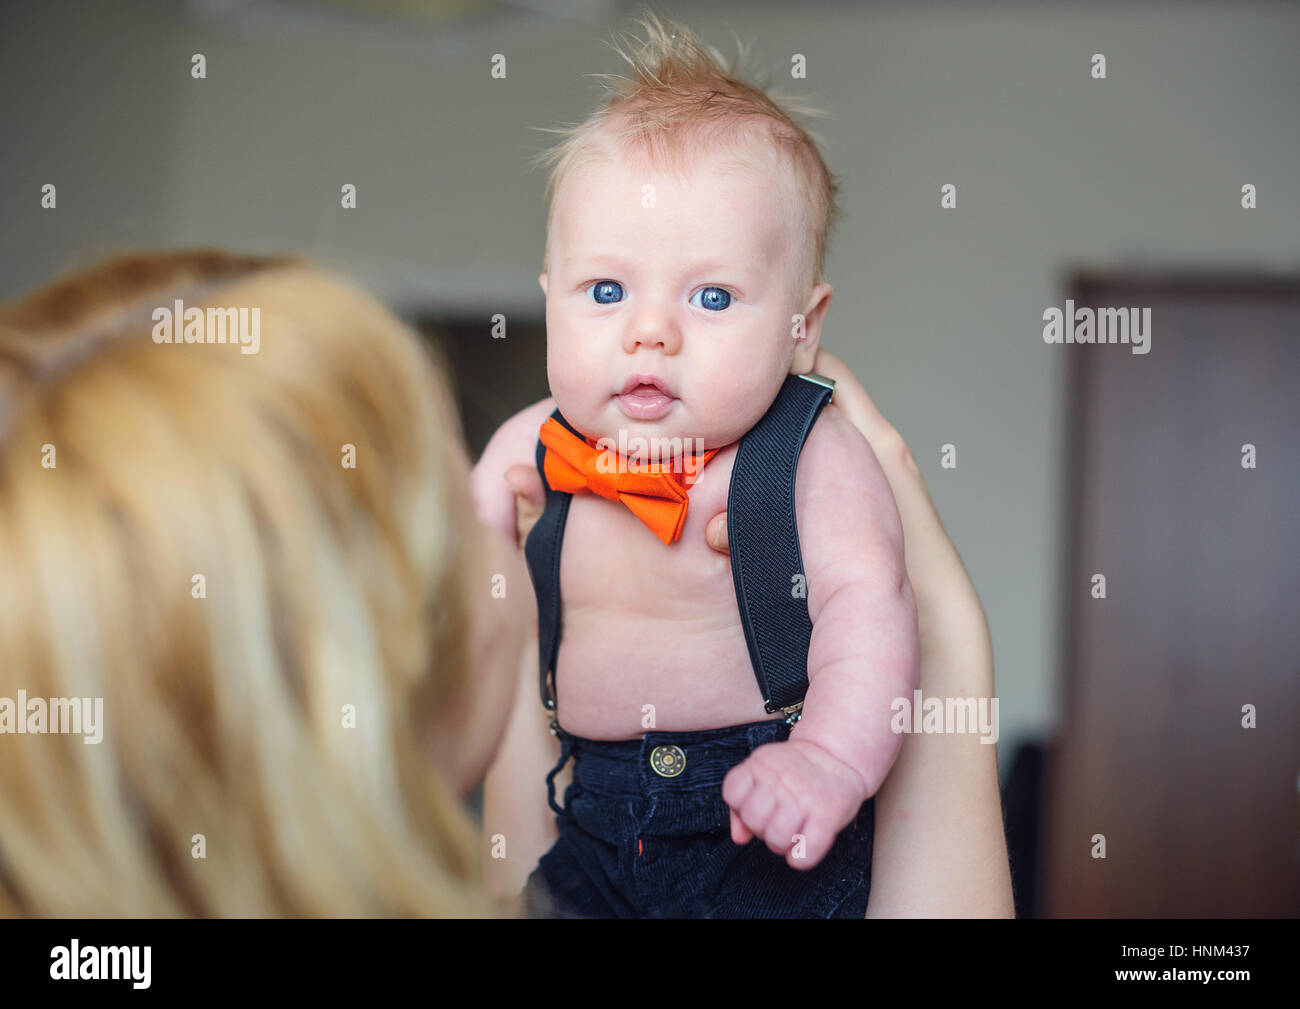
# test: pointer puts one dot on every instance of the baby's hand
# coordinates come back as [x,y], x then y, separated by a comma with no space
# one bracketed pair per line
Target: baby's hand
[795,796]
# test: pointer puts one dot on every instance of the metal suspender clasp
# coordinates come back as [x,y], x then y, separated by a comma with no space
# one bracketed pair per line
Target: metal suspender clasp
[550,708]
[816,379]
[793,713]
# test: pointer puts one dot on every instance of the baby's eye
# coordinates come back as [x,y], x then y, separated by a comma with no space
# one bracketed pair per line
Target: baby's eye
[715,299]
[606,292]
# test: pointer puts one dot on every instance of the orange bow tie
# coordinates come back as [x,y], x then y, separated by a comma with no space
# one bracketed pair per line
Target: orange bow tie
[653,492]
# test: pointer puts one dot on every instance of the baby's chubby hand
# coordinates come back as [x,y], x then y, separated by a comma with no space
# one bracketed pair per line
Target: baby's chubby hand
[796,796]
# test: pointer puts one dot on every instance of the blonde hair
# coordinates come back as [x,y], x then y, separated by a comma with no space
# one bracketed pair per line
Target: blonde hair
[325,586]
[684,95]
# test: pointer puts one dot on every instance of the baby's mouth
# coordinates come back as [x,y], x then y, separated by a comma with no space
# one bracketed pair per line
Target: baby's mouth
[646,385]
[645,400]
[646,392]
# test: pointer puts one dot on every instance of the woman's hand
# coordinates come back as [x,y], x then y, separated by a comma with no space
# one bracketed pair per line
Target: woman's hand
[530,498]
[940,850]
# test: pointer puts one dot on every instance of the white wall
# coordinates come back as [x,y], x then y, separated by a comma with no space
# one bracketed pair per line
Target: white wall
[938,311]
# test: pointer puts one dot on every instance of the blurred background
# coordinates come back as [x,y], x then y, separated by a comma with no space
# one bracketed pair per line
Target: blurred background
[1120,716]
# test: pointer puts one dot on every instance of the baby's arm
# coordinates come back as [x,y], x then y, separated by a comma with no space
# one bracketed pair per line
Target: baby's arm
[514,443]
[863,655]
[514,792]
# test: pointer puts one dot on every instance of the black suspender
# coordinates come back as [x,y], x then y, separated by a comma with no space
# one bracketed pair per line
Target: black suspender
[771,590]
[766,565]
[542,551]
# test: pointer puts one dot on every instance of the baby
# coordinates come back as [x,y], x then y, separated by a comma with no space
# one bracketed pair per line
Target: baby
[683,286]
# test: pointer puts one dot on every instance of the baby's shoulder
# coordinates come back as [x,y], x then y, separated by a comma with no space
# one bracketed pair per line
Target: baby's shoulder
[836,451]
[839,473]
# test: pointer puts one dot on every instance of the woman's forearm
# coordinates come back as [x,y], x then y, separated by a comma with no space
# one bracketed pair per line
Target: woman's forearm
[940,847]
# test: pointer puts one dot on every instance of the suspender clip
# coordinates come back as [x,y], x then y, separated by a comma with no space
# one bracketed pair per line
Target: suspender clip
[550,707]
[817,379]
[793,713]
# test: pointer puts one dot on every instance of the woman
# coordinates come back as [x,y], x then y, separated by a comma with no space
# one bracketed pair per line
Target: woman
[266,565]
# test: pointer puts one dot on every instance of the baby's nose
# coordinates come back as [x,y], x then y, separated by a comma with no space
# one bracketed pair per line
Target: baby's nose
[653,334]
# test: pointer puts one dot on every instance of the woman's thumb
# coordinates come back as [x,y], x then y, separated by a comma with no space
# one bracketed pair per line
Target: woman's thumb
[527,483]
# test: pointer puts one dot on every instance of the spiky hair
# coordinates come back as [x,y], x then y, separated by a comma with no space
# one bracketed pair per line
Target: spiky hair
[682,96]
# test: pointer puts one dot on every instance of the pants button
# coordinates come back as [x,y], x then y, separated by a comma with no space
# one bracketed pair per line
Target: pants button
[668,761]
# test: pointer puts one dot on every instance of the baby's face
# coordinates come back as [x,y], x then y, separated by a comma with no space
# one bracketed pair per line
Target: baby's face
[687,280]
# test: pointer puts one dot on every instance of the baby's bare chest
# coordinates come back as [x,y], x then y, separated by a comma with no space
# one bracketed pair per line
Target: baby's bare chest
[613,565]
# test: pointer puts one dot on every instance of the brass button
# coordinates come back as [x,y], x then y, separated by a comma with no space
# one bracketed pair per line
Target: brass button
[668,761]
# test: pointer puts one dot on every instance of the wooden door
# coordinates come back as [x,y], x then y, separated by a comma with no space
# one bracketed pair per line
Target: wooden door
[1200,616]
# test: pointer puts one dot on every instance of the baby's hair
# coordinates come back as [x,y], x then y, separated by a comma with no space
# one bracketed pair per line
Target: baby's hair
[682,92]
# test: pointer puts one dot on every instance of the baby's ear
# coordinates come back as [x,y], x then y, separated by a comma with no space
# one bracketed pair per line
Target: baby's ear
[810,329]
[542,280]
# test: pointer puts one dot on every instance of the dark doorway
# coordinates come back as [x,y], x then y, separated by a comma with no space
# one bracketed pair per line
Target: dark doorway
[1200,555]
